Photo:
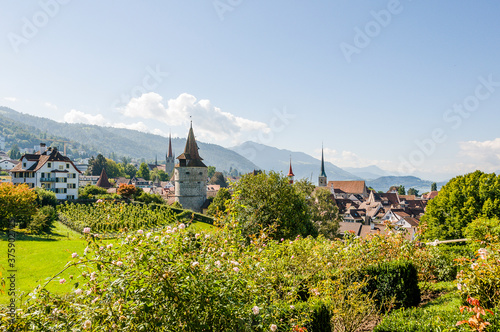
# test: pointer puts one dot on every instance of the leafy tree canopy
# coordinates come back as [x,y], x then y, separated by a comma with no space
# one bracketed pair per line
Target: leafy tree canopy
[219,203]
[401,190]
[434,186]
[413,191]
[219,179]
[18,203]
[268,201]
[211,171]
[143,171]
[462,200]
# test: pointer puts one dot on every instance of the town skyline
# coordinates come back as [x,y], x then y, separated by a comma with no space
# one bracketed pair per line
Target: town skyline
[401,85]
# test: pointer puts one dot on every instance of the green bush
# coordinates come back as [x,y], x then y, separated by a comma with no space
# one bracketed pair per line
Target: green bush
[42,220]
[445,267]
[45,197]
[392,281]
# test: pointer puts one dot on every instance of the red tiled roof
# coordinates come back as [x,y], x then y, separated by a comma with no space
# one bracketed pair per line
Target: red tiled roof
[351,187]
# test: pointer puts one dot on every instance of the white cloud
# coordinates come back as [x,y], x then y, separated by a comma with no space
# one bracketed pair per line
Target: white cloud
[12,99]
[212,124]
[481,155]
[75,116]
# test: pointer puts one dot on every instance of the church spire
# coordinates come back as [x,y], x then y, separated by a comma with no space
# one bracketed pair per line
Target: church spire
[322,177]
[290,172]
[169,145]
[190,156]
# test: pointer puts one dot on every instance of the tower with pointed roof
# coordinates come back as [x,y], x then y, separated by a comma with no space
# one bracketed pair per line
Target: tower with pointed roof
[322,181]
[290,172]
[170,159]
[191,176]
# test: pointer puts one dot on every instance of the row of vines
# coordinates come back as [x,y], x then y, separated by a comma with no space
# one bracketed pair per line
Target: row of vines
[108,216]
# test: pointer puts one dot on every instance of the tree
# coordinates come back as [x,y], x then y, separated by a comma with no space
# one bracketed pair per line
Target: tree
[130,170]
[434,186]
[218,205]
[90,191]
[268,201]
[401,190]
[143,171]
[158,174]
[462,200]
[325,213]
[45,197]
[14,152]
[96,165]
[112,169]
[126,190]
[218,179]
[17,203]
[413,191]
[211,171]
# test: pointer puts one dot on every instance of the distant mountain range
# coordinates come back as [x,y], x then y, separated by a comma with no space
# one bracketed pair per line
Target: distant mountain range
[28,131]
[304,166]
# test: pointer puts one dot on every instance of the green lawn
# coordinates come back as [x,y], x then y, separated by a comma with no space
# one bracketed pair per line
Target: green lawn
[38,258]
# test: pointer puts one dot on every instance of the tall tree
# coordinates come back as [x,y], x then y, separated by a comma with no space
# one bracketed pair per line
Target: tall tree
[268,201]
[219,205]
[401,190]
[211,171]
[325,213]
[462,200]
[434,186]
[413,191]
[130,170]
[96,165]
[17,203]
[143,171]
[219,179]
[14,152]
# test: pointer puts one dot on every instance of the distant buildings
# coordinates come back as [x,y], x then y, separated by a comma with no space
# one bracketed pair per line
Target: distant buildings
[48,169]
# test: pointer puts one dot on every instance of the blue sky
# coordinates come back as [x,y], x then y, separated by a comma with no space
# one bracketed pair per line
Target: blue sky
[409,86]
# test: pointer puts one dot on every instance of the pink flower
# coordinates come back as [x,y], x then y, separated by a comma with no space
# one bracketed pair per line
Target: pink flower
[87,325]
[99,201]
[182,226]
[255,310]
[273,327]
[95,300]
[482,253]
[74,255]
[218,264]
[86,230]
[459,286]
[235,263]
[156,238]
[236,269]
[119,263]
[140,232]
[109,246]
[92,276]
[293,256]
[78,291]
[62,281]
[282,239]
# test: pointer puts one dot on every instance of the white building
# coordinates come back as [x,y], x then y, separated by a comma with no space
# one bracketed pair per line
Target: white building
[7,164]
[48,169]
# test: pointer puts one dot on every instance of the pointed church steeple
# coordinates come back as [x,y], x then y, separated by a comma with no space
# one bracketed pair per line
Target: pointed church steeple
[169,146]
[190,156]
[322,181]
[290,172]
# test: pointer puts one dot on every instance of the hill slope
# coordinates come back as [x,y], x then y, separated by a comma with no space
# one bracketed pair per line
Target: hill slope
[304,166]
[385,182]
[107,140]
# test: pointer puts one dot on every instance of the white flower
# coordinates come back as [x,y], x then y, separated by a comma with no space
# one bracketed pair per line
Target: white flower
[74,255]
[193,264]
[174,229]
[182,226]
[95,300]
[109,246]
[235,263]
[207,236]
[482,253]
[55,311]
[197,235]
[255,310]
[292,307]
[459,286]
[92,276]
[236,269]
[89,292]
[156,238]
[86,230]
[87,325]
[86,250]
[273,327]
[140,232]
[119,263]
[218,264]
[78,291]
[148,235]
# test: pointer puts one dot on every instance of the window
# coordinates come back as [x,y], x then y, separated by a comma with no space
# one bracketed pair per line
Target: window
[49,165]
[67,165]
[24,165]
[61,167]
[43,175]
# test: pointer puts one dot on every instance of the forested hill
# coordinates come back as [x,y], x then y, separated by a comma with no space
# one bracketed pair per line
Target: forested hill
[28,131]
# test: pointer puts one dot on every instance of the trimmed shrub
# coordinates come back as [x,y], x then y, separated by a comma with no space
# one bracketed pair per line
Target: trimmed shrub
[42,220]
[392,281]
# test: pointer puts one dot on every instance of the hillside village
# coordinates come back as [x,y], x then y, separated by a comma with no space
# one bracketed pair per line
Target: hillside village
[362,211]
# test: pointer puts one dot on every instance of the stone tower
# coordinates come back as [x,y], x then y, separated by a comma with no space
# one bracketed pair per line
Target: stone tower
[170,159]
[191,176]
[322,181]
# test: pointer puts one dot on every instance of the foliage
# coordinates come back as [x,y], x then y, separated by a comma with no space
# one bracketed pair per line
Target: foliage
[434,186]
[476,322]
[45,197]
[14,152]
[479,278]
[129,170]
[219,203]
[176,205]
[96,165]
[324,213]
[91,191]
[126,190]
[150,198]
[42,220]
[265,201]
[17,203]
[108,216]
[112,169]
[143,171]
[483,230]
[219,179]
[401,190]
[443,260]
[462,200]
[413,191]
[210,171]
[158,175]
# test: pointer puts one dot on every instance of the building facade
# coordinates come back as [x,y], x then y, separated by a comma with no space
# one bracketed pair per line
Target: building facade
[191,176]
[50,170]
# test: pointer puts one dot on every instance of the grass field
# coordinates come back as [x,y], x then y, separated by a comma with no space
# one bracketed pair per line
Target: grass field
[38,258]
